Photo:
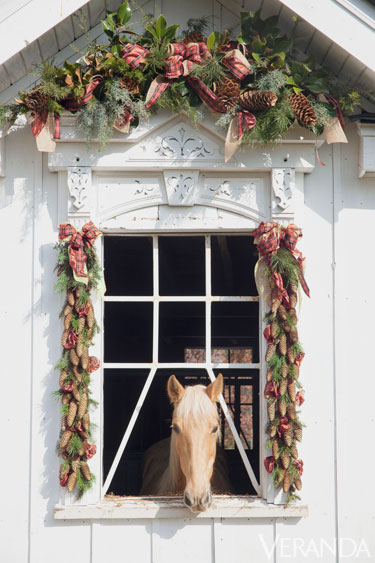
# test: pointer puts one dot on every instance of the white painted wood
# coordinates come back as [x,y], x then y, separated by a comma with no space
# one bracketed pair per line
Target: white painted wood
[114,508]
[15,67]
[97,11]
[64,33]
[232,540]
[48,44]
[366,164]
[31,56]
[118,542]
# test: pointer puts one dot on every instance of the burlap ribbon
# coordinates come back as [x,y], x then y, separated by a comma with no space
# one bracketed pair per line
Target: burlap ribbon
[243,120]
[77,241]
[271,236]
[333,131]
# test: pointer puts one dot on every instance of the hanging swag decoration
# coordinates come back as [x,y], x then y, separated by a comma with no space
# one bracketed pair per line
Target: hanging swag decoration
[278,274]
[78,272]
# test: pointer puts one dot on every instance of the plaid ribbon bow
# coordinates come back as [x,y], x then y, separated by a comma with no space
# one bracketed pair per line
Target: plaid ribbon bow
[245,120]
[77,242]
[134,55]
[237,64]
[269,237]
[73,105]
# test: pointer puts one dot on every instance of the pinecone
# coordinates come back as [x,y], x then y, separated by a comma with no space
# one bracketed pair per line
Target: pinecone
[286,482]
[67,320]
[298,483]
[79,345]
[284,371]
[83,434]
[75,464]
[293,335]
[302,109]
[85,357]
[292,390]
[90,317]
[228,91]
[63,377]
[275,449]
[270,351]
[68,309]
[291,411]
[274,328]
[63,423]
[64,337]
[269,374]
[72,481]
[275,305]
[72,412]
[282,407]
[283,345]
[282,313]
[291,355]
[73,357]
[294,451]
[298,434]
[86,421]
[194,37]
[83,448]
[70,297]
[283,386]
[82,408]
[254,100]
[285,326]
[293,299]
[273,431]
[35,100]
[65,398]
[65,438]
[85,470]
[293,315]
[280,477]
[81,324]
[271,409]
[285,460]
[75,392]
[77,374]
[129,84]
[288,437]
[295,371]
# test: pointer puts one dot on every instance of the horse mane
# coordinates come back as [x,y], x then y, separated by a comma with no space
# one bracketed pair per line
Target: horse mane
[194,405]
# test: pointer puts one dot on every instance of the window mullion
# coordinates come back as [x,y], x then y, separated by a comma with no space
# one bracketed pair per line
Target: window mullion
[208,297]
[155,340]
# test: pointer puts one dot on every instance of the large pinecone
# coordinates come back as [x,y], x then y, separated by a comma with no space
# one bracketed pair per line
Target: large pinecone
[228,91]
[127,83]
[36,100]
[302,109]
[254,100]
[194,37]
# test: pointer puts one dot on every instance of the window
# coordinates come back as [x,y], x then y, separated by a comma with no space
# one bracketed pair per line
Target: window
[186,305]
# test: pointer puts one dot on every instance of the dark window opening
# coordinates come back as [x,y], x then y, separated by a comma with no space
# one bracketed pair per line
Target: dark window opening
[181,265]
[182,326]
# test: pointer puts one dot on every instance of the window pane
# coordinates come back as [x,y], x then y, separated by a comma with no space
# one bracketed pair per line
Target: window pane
[182,327]
[235,327]
[128,265]
[232,261]
[181,265]
[128,332]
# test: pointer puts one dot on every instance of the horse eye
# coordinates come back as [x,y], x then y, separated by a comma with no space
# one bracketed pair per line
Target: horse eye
[214,430]
[175,428]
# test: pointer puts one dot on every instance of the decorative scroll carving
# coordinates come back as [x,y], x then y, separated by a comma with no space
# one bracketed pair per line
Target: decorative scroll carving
[283,185]
[182,145]
[223,190]
[181,187]
[142,189]
[79,184]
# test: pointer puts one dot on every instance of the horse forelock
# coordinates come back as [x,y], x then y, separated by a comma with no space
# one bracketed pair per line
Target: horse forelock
[196,407]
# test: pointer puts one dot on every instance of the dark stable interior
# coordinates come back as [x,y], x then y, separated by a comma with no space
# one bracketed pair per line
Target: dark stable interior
[128,330]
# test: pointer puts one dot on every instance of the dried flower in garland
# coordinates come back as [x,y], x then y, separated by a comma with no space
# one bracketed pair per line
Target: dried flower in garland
[280,269]
[79,272]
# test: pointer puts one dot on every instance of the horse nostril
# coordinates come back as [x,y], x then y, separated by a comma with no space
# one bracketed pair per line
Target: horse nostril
[208,500]
[187,500]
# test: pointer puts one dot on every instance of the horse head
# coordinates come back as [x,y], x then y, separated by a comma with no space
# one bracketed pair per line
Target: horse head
[195,430]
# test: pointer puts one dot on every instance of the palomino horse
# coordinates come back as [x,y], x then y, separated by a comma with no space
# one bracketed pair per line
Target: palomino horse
[189,461]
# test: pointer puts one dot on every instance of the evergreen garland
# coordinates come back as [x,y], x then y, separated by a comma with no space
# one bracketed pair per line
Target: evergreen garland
[272,64]
[75,445]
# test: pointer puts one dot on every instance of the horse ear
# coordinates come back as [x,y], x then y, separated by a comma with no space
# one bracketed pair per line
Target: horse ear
[175,390]
[215,388]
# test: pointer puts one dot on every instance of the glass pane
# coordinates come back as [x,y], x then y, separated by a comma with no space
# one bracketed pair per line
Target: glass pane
[182,332]
[181,265]
[128,265]
[128,332]
[232,261]
[235,328]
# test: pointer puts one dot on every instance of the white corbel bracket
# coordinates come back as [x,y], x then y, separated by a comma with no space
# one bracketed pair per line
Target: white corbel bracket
[181,187]
[283,192]
[79,184]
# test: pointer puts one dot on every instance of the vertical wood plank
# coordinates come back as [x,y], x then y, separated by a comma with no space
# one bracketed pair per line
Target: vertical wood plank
[183,540]
[243,540]
[48,44]
[64,33]
[15,67]
[121,542]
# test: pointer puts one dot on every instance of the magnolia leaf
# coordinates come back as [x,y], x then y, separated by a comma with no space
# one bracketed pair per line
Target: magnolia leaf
[211,40]
[262,281]
[160,26]
[151,30]
[124,13]
[297,90]
[170,32]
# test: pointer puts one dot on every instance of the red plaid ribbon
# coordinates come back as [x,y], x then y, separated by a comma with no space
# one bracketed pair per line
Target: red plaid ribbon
[77,242]
[205,94]
[57,133]
[39,122]
[236,67]
[127,117]
[335,103]
[134,55]
[71,104]
[161,87]
[245,120]
[271,236]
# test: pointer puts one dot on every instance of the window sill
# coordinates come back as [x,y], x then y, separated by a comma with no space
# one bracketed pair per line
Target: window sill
[126,508]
